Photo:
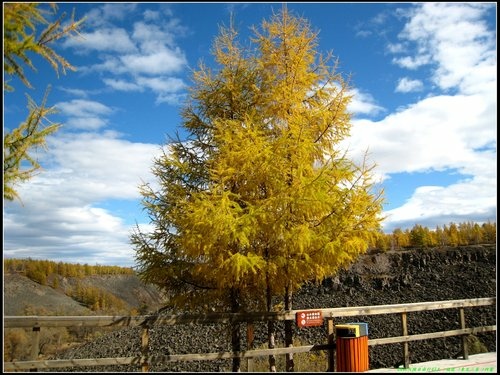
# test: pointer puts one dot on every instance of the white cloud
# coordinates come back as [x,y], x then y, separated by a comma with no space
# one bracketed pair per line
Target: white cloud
[61,218]
[98,166]
[395,48]
[455,38]
[436,133]
[161,62]
[84,114]
[82,234]
[149,50]
[109,64]
[117,11]
[86,123]
[363,33]
[75,92]
[152,37]
[363,103]
[151,15]
[413,62]
[441,132]
[122,85]
[157,63]
[108,39]
[109,12]
[162,84]
[434,205]
[409,85]
[172,99]
[83,108]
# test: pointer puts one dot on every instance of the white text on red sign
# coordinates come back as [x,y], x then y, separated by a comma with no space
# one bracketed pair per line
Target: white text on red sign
[309,318]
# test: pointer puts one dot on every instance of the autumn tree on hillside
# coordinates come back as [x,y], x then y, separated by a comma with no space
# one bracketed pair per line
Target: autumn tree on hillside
[20,38]
[260,199]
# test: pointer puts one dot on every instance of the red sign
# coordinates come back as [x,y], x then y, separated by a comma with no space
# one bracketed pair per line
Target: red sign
[309,318]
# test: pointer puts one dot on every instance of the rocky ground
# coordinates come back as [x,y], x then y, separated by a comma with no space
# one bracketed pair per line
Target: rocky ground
[375,279]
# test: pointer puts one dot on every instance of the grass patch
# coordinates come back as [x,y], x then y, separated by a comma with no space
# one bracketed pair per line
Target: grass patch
[314,361]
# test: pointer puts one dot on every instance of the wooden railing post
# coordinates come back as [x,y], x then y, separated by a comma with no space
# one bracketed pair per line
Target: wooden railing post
[145,348]
[35,348]
[406,350]
[331,341]
[465,349]
[250,338]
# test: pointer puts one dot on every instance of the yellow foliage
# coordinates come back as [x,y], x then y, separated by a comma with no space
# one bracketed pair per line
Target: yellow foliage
[261,199]
[45,268]
[15,344]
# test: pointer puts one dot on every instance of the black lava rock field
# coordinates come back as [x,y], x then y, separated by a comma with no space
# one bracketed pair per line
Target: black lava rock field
[394,277]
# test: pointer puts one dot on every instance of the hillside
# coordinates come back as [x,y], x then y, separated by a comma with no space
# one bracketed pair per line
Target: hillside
[22,296]
[375,279]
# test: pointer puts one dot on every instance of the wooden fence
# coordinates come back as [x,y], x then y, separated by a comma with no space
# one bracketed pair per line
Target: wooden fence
[148,321]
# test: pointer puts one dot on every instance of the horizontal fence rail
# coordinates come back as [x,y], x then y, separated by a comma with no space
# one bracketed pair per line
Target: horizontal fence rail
[137,361]
[432,335]
[147,321]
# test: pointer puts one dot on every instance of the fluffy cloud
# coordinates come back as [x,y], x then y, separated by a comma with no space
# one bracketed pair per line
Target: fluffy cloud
[409,85]
[363,103]
[108,13]
[148,51]
[436,133]
[84,114]
[434,205]
[83,234]
[162,85]
[441,132]
[122,85]
[455,39]
[106,39]
[161,62]
[60,217]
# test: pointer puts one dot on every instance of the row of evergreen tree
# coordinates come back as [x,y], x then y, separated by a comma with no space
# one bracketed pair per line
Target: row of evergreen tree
[461,234]
[40,270]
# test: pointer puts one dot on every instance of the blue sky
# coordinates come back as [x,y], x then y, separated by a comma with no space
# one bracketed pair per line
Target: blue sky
[423,76]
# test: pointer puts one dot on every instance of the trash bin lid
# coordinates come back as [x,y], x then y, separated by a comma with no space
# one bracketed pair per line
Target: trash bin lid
[363,328]
[347,330]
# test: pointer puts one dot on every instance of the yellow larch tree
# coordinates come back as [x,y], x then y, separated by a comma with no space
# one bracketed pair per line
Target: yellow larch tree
[261,198]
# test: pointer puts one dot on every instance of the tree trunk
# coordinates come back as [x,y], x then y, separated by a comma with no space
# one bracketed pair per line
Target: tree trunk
[289,330]
[235,330]
[270,332]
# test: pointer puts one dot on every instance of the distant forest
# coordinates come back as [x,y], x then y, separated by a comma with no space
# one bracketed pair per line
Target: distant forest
[39,270]
[462,234]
